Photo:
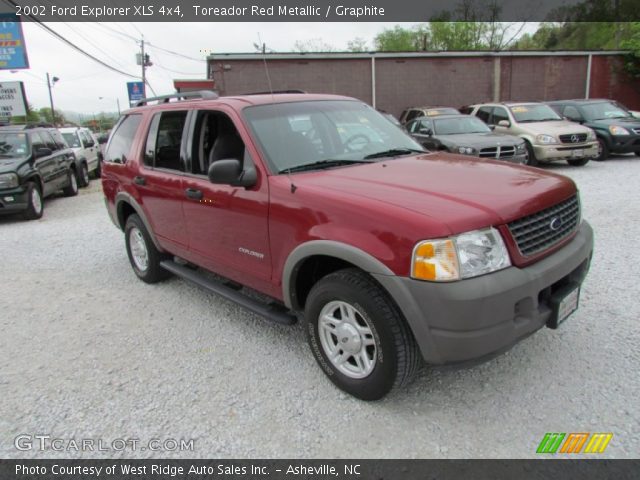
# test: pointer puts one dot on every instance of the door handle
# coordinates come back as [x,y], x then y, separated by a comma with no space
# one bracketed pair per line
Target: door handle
[193,193]
[139,180]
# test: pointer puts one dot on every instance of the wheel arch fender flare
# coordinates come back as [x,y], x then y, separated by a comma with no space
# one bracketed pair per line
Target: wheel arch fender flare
[123,198]
[330,248]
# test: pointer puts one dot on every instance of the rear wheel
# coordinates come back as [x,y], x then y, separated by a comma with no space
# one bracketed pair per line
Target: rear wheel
[530,157]
[578,162]
[143,255]
[83,176]
[35,206]
[98,170]
[71,190]
[358,335]
[637,154]
[603,150]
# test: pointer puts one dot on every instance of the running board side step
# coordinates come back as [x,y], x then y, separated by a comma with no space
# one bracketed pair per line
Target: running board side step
[271,311]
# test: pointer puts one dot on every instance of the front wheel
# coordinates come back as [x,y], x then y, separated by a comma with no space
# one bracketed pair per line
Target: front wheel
[83,176]
[578,162]
[358,336]
[35,206]
[530,157]
[143,255]
[603,150]
[71,190]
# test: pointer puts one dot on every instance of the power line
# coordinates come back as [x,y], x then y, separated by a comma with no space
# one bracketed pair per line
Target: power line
[175,53]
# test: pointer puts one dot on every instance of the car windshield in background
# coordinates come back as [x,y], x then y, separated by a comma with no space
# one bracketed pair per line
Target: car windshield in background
[534,113]
[459,125]
[604,111]
[71,139]
[322,134]
[13,145]
[433,112]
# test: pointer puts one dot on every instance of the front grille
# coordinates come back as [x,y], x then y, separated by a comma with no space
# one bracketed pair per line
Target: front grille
[498,152]
[540,231]
[573,138]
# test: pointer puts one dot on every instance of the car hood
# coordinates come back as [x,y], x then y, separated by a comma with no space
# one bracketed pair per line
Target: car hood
[623,122]
[11,165]
[479,140]
[457,191]
[555,128]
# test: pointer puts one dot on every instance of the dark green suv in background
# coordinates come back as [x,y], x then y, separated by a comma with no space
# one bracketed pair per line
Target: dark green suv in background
[616,129]
[33,164]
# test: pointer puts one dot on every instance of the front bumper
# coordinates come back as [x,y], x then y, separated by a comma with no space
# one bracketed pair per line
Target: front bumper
[625,144]
[564,151]
[13,200]
[474,318]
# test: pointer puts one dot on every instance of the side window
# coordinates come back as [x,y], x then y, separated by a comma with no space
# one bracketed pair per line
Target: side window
[572,113]
[215,138]
[499,114]
[86,139]
[168,140]
[49,141]
[412,127]
[57,136]
[121,139]
[37,141]
[150,147]
[413,114]
[424,125]
[484,114]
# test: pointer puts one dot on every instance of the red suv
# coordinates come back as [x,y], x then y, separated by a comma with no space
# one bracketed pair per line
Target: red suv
[389,253]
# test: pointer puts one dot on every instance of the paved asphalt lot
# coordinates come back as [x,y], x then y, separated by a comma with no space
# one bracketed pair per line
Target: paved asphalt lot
[89,351]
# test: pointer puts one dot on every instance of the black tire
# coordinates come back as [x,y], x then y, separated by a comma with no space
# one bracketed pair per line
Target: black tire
[530,158]
[578,162]
[153,272]
[33,194]
[637,154]
[397,356]
[71,190]
[603,150]
[83,176]
[98,171]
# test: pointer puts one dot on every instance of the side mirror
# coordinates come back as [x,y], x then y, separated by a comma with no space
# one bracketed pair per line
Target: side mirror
[492,127]
[504,123]
[43,152]
[229,172]
[425,131]
[89,144]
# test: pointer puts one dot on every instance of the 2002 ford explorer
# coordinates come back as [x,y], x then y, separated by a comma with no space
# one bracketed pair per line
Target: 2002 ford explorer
[389,253]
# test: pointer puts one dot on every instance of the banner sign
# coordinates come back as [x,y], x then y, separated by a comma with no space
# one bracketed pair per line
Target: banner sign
[13,102]
[135,91]
[13,52]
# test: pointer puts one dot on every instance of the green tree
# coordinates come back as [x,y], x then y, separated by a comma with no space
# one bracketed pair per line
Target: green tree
[397,39]
[45,113]
[312,45]
[358,44]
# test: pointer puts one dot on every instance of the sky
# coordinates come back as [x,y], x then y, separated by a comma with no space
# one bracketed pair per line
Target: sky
[82,81]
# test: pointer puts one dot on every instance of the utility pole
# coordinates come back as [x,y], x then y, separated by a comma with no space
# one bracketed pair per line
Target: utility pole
[144,66]
[49,86]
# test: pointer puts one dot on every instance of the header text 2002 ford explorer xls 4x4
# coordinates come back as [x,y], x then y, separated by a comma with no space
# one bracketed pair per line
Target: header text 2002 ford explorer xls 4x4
[333,214]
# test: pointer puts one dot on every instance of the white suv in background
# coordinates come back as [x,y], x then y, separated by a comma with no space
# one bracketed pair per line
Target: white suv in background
[85,146]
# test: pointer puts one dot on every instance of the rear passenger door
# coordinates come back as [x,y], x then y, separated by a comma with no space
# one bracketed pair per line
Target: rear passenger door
[90,149]
[227,225]
[52,173]
[422,130]
[159,182]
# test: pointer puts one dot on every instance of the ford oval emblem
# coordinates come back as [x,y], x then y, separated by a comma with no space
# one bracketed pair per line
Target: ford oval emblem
[555,223]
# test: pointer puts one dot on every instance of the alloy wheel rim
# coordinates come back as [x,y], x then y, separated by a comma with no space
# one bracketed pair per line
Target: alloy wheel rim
[347,339]
[36,201]
[139,251]
[85,175]
[74,182]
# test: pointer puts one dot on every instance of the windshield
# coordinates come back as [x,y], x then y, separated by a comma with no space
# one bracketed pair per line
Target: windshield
[603,111]
[534,113]
[13,145]
[324,133]
[460,125]
[72,139]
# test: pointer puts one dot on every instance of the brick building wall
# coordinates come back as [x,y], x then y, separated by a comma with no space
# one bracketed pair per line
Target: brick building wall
[450,79]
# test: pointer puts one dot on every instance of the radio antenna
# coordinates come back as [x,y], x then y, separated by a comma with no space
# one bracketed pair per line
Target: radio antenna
[263,47]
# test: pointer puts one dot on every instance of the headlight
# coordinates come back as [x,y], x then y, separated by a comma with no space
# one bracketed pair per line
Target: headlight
[466,150]
[618,130]
[591,135]
[8,180]
[546,139]
[463,256]
[521,148]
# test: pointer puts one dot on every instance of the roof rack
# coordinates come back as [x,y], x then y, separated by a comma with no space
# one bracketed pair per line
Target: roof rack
[203,94]
[275,92]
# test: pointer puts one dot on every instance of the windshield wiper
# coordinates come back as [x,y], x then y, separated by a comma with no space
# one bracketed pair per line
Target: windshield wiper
[329,162]
[393,152]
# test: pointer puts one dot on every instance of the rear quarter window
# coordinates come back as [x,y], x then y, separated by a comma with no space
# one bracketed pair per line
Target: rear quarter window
[122,138]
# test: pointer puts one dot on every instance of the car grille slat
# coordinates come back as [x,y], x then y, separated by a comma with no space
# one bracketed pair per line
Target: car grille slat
[534,233]
[498,152]
[573,138]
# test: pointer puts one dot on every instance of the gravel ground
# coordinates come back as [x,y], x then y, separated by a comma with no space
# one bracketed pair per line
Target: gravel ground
[89,351]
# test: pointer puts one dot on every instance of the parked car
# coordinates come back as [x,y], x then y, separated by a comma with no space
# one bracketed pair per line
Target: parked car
[33,165]
[389,253]
[617,130]
[391,118]
[548,137]
[467,135]
[87,151]
[415,112]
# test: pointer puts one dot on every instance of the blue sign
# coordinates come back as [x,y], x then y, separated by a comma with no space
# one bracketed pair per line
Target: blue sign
[13,52]
[136,91]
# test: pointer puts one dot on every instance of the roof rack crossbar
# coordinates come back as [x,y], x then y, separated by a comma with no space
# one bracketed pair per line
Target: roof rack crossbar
[275,92]
[204,94]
